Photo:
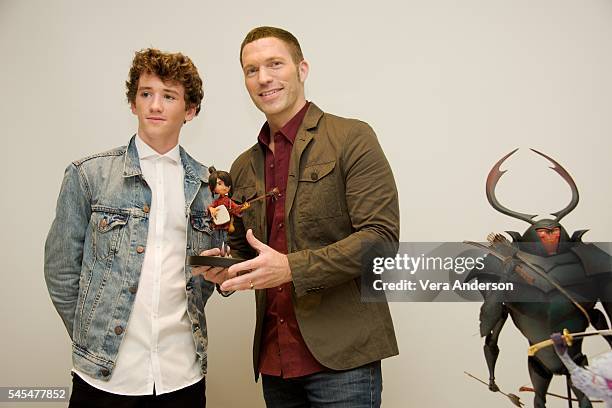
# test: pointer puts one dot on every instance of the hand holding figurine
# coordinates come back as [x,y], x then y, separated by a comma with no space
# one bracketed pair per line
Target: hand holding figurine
[268,269]
[213,274]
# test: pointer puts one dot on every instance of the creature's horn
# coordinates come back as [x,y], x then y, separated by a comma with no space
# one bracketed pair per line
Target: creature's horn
[575,197]
[492,179]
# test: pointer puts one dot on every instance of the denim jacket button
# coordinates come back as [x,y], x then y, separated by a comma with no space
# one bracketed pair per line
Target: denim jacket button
[146,208]
[103,223]
[105,372]
[140,249]
[133,289]
[118,330]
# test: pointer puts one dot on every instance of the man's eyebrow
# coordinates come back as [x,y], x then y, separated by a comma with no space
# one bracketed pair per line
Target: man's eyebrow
[267,60]
[167,90]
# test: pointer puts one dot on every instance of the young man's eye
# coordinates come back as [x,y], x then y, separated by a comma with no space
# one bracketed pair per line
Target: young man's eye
[169,97]
[250,72]
[145,94]
[276,64]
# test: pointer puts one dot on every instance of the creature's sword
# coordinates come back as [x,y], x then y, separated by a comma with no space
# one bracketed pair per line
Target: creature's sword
[568,337]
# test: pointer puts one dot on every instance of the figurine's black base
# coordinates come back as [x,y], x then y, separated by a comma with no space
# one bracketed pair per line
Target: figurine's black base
[213,261]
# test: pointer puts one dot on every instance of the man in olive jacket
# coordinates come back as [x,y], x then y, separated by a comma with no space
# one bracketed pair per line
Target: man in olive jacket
[315,340]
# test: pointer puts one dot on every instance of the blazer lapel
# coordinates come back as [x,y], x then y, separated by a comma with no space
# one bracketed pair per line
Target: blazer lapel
[258,163]
[303,138]
[301,141]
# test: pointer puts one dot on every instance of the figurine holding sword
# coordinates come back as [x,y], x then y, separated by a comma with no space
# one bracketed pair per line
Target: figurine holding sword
[223,209]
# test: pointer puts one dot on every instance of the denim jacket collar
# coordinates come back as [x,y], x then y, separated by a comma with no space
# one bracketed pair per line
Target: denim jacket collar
[193,170]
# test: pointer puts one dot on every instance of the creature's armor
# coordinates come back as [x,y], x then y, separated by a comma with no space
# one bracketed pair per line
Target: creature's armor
[583,271]
[552,291]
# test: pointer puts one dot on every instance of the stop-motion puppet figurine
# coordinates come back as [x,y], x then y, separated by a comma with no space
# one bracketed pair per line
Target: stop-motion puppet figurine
[557,280]
[223,209]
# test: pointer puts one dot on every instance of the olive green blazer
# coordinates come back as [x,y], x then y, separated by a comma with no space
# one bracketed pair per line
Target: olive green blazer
[340,194]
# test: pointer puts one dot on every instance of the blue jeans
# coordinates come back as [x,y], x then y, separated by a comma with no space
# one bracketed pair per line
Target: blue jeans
[360,387]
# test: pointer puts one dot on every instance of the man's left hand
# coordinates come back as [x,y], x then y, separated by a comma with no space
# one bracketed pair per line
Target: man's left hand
[269,269]
[213,274]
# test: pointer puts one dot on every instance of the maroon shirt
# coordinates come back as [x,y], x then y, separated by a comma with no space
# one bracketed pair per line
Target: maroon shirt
[283,351]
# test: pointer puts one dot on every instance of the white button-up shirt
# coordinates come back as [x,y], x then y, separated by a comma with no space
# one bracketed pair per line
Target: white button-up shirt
[158,348]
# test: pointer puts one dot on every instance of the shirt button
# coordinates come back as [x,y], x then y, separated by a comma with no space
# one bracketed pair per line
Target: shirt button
[146,208]
[103,223]
[282,320]
[133,289]
[140,249]
[280,288]
[314,176]
[280,225]
[271,165]
[118,330]
[105,372]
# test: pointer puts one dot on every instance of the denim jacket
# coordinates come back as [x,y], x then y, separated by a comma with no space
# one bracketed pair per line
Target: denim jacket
[95,249]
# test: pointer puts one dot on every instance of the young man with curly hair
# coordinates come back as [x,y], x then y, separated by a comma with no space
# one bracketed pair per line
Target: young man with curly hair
[115,255]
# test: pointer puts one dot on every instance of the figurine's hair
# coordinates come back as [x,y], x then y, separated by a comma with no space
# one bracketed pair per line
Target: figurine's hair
[168,67]
[218,174]
[285,36]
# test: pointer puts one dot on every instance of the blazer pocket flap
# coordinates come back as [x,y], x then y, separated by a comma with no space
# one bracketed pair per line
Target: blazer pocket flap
[315,172]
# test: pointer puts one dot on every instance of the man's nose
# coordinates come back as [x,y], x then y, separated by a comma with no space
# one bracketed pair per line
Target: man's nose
[263,76]
[156,104]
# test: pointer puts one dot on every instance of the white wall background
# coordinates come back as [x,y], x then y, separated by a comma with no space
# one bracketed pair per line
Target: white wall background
[449,87]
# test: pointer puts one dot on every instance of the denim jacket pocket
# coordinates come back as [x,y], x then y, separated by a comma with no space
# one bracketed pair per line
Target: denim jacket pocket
[107,231]
[201,232]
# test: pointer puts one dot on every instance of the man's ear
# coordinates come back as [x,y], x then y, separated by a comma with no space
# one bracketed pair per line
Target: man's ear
[190,114]
[133,107]
[303,68]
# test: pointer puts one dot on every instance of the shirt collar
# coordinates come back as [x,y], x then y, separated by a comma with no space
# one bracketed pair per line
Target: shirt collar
[289,130]
[146,152]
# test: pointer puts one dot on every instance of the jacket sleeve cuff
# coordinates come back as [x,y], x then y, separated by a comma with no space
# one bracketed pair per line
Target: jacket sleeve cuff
[298,263]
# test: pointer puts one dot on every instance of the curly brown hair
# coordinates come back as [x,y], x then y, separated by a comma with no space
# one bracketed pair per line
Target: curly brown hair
[285,36]
[168,67]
